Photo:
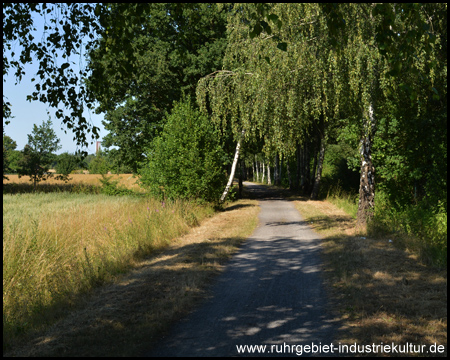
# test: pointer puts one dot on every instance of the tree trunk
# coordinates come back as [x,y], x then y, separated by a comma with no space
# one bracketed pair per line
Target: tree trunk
[269,180]
[367,178]
[276,173]
[233,168]
[302,167]
[263,172]
[288,173]
[297,174]
[307,171]
[241,176]
[315,191]
[313,175]
[280,172]
[257,170]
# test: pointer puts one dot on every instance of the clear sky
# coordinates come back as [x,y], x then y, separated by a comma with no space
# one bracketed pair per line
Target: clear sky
[28,113]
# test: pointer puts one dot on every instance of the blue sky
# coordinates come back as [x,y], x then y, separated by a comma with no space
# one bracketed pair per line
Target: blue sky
[28,113]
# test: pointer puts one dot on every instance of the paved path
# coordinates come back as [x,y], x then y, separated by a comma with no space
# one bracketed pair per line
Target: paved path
[270,292]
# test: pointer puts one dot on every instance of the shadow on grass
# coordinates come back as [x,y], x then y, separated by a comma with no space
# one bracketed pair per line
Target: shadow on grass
[237,206]
[385,293]
[131,315]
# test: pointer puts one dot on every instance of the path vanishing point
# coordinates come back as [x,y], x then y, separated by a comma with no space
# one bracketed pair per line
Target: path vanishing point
[271,293]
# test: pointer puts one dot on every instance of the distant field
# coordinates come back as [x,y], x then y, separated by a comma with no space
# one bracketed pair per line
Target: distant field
[127,180]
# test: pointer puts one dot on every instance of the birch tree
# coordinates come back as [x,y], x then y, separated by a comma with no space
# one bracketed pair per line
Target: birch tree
[277,96]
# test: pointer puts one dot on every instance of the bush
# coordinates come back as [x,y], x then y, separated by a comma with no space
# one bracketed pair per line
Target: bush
[424,224]
[111,187]
[186,160]
[98,165]
[66,163]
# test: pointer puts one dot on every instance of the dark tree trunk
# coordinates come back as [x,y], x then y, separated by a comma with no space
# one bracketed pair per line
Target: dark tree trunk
[288,173]
[276,174]
[280,172]
[297,174]
[307,171]
[313,175]
[241,176]
[315,191]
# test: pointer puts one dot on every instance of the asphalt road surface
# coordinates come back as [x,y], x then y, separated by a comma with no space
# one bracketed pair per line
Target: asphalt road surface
[270,293]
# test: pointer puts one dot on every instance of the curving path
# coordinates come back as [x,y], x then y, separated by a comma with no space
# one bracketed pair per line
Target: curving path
[270,293]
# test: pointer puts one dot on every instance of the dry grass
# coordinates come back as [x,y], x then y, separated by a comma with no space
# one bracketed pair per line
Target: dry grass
[126,180]
[57,246]
[125,318]
[384,294]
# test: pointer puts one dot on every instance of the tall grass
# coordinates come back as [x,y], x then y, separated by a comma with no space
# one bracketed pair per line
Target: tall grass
[59,245]
[343,199]
[420,228]
[424,227]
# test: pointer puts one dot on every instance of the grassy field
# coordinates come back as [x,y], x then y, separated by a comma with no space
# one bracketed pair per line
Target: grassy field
[69,250]
[59,245]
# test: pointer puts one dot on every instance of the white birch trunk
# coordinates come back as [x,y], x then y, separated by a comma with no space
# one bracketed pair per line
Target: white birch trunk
[257,170]
[367,178]
[263,172]
[233,168]
[315,191]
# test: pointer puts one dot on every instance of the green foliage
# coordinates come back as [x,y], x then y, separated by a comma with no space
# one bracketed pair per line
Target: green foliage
[425,224]
[99,164]
[9,145]
[14,158]
[337,168]
[66,163]
[56,83]
[115,162]
[110,187]
[170,47]
[38,154]
[186,160]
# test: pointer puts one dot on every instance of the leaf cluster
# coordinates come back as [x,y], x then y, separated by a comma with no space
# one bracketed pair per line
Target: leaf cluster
[56,83]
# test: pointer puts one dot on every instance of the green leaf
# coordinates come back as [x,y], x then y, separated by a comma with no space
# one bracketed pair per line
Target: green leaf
[282,46]
[279,24]
[273,17]
[436,94]
[257,29]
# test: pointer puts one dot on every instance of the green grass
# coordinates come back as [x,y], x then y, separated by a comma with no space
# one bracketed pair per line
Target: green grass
[343,200]
[420,228]
[57,246]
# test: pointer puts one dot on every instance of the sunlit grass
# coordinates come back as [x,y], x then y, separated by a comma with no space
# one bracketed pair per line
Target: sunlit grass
[58,245]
